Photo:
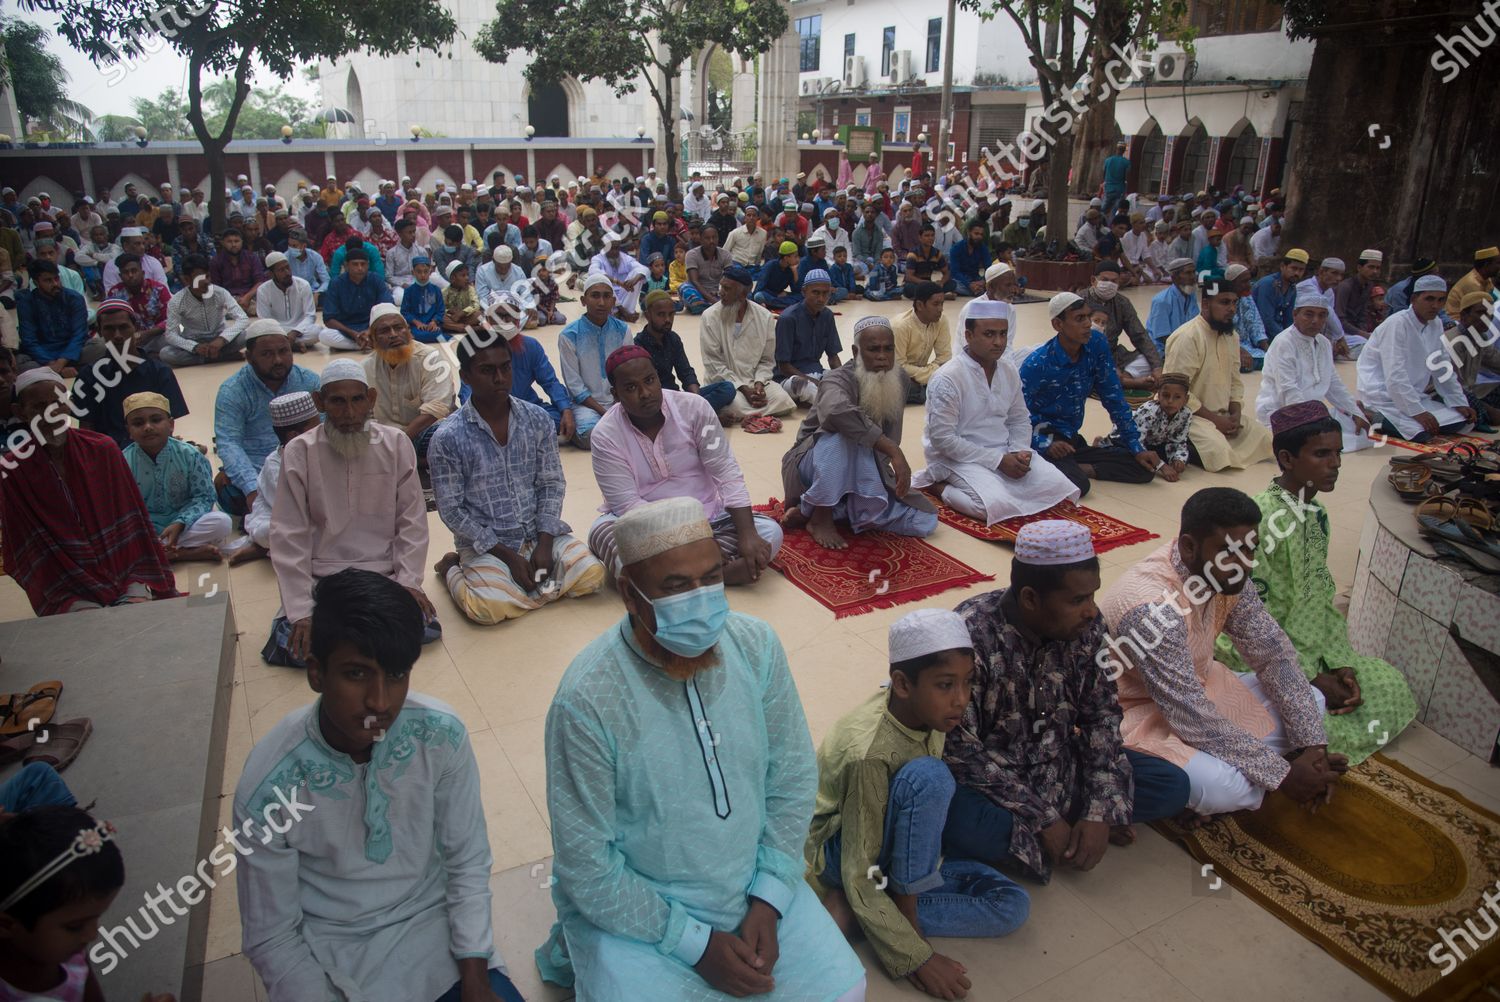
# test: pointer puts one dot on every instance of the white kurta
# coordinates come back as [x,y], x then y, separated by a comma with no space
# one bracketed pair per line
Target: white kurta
[743,353]
[972,422]
[623,269]
[1299,368]
[1401,360]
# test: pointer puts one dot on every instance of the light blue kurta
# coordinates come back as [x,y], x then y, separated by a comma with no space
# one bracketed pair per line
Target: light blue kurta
[377,892]
[671,802]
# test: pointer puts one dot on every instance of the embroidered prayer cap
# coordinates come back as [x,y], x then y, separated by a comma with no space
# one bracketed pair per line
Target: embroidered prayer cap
[659,217]
[136,401]
[817,276]
[383,310]
[621,355]
[1370,254]
[1062,303]
[816,241]
[1178,263]
[1422,266]
[927,631]
[1312,299]
[421,259]
[1247,220]
[658,526]
[1333,263]
[132,231]
[1234,271]
[341,369]
[787,247]
[997,269]
[1177,379]
[261,327]
[656,296]
[453,266]
[1053,542]
[596,278]
[1429,283]
[41,374]
[1473,299]
[865,323]
[1484,254]
[274,258]
[1295,254]
[1297,415]
[292,409]
[116,304]
[503,254]
[990,309]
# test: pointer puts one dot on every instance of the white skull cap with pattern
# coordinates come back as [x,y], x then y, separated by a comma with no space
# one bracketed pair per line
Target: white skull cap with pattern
[1053,542]
[863,323]
[383,310]
[1430,283]
[596,278]
[292,408]
[997,269]
[659,526]
[990,309]
[927,631]
[341,369]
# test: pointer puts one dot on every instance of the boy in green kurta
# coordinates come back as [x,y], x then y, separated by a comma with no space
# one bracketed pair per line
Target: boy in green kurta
[875,848]
[1291,574]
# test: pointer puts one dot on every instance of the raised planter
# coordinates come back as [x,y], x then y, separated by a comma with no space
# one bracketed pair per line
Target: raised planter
[1055,276]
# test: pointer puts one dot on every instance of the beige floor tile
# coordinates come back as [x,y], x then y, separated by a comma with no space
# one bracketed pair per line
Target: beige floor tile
[1425,750]
[1475,776]
[523,913]
[518,835]
[273,697]
[230,979]
[523,743]
[1136,887]
[1121,974]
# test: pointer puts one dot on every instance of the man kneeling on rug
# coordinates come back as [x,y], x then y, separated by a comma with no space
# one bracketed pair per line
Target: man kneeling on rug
[1237,736]
[847,461]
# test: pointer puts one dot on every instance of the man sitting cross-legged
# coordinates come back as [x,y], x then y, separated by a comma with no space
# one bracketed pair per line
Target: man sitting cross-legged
[884,797]
[923,342]
[74,530]
[413,382]
[977,439]
[680,782]
[1237,736]
[1042,772]
[582,348]
[499,486]
[291,415]
[176,482]
[847,461]
[290,301]
[738,342]
[349,496]
[204,322]
[1413,398]
[351,296]
[660,443]
[374,883]
[101,388]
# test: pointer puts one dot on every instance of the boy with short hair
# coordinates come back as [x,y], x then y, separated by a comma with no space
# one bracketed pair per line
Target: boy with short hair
[885,280]
[883,793]
[422,303]
[1163,426]
[176,482]
[377,887]
[460,301]
[842,273]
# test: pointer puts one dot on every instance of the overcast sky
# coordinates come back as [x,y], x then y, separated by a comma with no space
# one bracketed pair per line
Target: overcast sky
[111,91]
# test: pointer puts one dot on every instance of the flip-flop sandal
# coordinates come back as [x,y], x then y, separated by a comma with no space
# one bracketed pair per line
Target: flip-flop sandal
[62,743]
[38,703]
[762,424]
[11,749]
[1410,482]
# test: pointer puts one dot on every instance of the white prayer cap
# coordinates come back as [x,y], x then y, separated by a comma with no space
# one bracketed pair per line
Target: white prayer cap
[863,323]
[41,374]
[1062,303]
[927,631]
[1335,263]
[341,369]
[658,526]
[1371,255]
[1310,298]
[997,269]
[261,327]
[383,310]
[1096,203]
[132,231]
[292,408]
[453,266]
[274,258]
[1429,283]
[1247,220]
[594,278]
[990,309]
[503,254]
[1234,271]
[1053,542]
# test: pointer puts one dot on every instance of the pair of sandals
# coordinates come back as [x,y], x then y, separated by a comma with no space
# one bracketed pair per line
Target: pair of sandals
[28,732]
[760,424]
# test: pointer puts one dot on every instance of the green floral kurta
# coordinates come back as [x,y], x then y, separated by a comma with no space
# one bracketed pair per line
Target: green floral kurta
[1291,574]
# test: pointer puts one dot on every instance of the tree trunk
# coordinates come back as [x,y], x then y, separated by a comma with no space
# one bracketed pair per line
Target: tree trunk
[213,155]
[669,136]
[1096,132]
[213,146]
[1060,160]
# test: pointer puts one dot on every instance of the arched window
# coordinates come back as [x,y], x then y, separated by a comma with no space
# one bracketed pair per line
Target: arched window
[1194,146]
[1243,160]
[1153,152]
[547,110]
[355,99]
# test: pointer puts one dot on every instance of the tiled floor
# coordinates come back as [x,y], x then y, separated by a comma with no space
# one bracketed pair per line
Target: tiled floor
[1138,927]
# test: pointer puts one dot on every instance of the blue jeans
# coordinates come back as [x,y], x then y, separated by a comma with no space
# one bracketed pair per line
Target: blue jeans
[499,984]
[233,500]
[719,395]
[36,785]
[960,897]
[977,827]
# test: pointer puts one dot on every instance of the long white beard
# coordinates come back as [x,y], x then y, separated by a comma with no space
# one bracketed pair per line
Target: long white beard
[881,395]
[349,445]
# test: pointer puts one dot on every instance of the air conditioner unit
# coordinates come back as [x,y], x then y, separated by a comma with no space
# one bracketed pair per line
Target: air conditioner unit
[809,87]
[854,71]
[901,66]
[1170,65]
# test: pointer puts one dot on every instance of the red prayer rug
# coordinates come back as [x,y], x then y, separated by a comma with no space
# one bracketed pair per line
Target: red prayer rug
[1107,531]
[1437,443]
[879,570]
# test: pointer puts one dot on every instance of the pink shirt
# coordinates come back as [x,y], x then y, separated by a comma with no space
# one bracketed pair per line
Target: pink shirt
[70,989]
[689,457]
[331,514]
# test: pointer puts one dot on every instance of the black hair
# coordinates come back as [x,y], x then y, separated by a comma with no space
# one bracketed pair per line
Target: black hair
[1046,579]
[194,262]
[39,267]
[377,616]
[926,227]
[356,253]
[404,223]
[32,839]
[232,231]
[530,231]
[468,346]
[912,668]
[1293,439]
[453,232]
[126,258]
[1218,508]
[920,291]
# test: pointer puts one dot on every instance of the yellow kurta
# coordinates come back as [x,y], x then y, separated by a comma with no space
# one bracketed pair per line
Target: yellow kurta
[1211,361]
[922,349]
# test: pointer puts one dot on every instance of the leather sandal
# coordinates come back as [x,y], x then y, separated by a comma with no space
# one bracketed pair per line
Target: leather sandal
[18,710]
[59,744]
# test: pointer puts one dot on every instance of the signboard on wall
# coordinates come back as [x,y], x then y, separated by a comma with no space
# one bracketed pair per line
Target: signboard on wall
[860,141]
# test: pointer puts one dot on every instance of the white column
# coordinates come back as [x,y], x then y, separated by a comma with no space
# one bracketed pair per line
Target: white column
[468,165]
[86,167]
[174,173]
[400,165]
[255,173]
[531,178]
[328,165]
[776,153]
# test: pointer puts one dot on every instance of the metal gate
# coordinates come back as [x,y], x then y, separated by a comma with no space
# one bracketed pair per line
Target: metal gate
[718,153]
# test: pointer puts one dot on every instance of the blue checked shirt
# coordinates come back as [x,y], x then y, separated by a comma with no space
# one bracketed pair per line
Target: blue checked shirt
[489,493]
[243,436]
[1056,389]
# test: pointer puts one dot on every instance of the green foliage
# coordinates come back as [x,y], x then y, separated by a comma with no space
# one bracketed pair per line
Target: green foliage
[39,82]
[165,117]
[115,128]
[1303,17]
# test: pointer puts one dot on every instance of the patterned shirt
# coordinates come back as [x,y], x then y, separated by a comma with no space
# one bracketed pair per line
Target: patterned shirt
[1057,387]
[1041,734]
[1251,328]
[177,485]
[669,356]
[149,301]
[243,436]
[489,493]
[1164,434]
[582,348]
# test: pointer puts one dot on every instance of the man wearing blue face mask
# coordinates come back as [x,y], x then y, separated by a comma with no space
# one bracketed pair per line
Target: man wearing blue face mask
[681,779]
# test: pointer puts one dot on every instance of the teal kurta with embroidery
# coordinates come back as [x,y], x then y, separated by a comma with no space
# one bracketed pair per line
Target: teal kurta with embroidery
[1291,574]
[671,803]
[177,486]
[378,890]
